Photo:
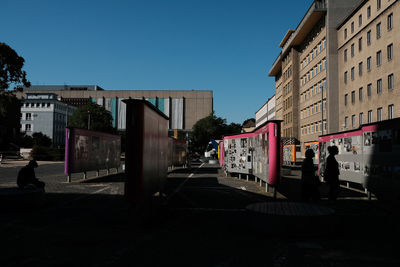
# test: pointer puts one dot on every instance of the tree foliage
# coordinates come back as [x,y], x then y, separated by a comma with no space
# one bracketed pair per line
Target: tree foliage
[251,122]
[11,65]
[11,73]
[10,116]
[211,127]
[100,118]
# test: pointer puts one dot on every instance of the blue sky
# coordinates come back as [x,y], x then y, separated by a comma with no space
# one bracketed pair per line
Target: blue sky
[227,46]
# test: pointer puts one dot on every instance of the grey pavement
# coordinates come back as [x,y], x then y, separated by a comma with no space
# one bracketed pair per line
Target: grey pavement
[202,220]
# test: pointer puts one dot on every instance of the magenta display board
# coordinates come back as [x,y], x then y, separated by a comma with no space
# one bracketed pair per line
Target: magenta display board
[258,153]
[90,150]
[368,155]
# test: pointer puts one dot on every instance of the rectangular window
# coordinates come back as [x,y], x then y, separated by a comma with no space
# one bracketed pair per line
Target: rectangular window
[353,121]
[379,86]
[27,127]
[360,68]
[352,27]
[379,58]
[360,94]
[390,112]
[353,97]
[390,81]
[360,44]
[346,96]
[346,122]
[361,118]
[379,114]
[390,52]
[369,116]
[352,50]
[324,43]
[368,11]
[369,89]
[345,34]
[345,77]
[378,4]
[378,30]
[28,116]
[352,73]
[390,21]
[369,63]
[359,20]
[368,37]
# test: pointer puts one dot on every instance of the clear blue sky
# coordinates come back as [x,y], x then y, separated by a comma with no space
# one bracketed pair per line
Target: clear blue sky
[227,46]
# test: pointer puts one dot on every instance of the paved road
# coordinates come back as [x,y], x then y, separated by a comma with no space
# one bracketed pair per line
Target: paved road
[203,221]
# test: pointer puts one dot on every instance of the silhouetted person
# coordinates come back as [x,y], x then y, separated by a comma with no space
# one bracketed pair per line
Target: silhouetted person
[26,176]
[331,174]
[309,182]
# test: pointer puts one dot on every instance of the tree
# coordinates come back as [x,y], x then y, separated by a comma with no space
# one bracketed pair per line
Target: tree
[40,139]
[100,118]
[10,108]
[211,127]
[10,116]
[11,69]
[249,123]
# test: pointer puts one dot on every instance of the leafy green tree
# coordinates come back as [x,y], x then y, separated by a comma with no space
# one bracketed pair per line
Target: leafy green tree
[11,73]
[211,127]
[100,118]
[11,69]
[40,139]
[10,116]
[249,122]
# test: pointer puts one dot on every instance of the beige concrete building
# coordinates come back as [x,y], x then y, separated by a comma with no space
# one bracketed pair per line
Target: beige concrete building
[368,65]
[183,107]
[306,72]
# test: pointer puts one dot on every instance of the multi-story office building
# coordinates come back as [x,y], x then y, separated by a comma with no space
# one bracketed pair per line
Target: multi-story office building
[266,112]
[44,113]
[369,68]
[183,107]
[305,70]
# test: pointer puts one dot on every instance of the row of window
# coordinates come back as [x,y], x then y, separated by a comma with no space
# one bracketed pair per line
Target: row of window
[313,128]
[369,63]
[379,117]
[288,118]
[312,109]
[360,40]
[360,19]
[320,66]
[37,105]
[390,86]
[313,90]
[313,54]
[287,88]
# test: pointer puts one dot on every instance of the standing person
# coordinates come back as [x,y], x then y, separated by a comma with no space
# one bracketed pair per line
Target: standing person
[309,182]
[331,174]
[26,176]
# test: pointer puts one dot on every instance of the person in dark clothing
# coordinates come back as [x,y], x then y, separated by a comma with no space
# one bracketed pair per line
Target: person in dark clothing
[331,174]
[26,176]
[309,181]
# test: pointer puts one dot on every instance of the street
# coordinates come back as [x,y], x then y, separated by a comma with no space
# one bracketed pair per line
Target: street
[202,220]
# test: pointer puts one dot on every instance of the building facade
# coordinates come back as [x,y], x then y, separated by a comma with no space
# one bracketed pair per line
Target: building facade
[266,112]
[369,68]
[45,113]
[183,107]
[306,72]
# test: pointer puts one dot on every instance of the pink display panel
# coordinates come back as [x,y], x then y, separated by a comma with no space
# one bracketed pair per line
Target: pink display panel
[90,150]
[257,153]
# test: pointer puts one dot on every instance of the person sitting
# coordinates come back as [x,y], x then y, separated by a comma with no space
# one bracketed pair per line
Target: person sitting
[27,178]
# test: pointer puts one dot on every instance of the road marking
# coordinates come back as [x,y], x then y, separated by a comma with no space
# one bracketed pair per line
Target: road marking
[183,183]
[209,209]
